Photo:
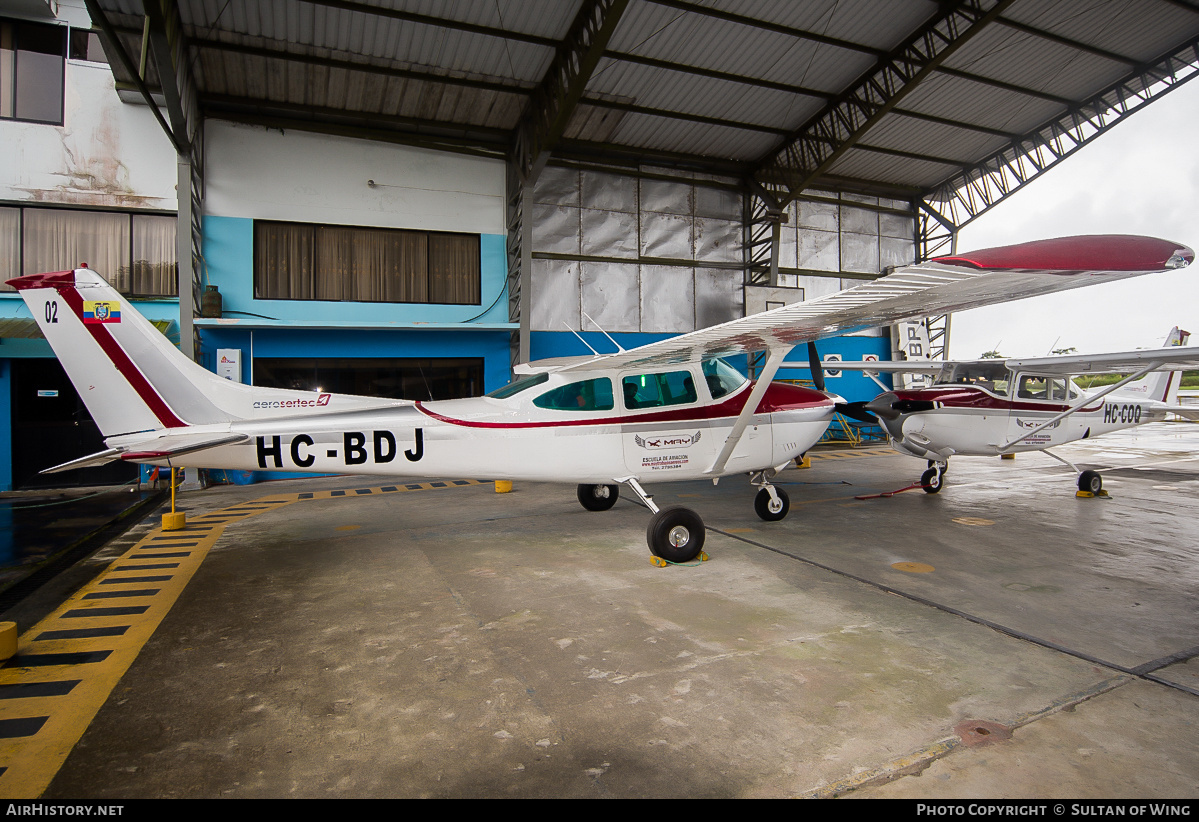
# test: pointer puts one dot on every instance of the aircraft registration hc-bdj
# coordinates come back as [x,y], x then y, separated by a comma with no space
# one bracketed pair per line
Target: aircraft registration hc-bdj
[670,410]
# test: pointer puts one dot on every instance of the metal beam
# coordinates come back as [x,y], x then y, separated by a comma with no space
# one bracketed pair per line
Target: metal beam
[164,32]
[114,47]
[817,146]
[554,100]
[766,25]
[545,119]
[970,193]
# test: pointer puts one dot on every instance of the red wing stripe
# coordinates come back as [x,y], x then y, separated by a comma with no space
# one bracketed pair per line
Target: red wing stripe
[121,360]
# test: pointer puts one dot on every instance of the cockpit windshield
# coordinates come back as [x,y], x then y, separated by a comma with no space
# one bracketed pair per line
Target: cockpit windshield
[990,376]
[516,386]
[722,378]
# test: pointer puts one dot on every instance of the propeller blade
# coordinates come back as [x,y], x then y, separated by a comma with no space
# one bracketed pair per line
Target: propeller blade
[814,364]
[856,411]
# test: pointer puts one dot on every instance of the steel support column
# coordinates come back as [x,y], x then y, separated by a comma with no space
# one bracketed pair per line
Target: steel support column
[545,119]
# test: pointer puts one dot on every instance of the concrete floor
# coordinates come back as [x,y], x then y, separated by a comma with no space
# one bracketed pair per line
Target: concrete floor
[1002,639]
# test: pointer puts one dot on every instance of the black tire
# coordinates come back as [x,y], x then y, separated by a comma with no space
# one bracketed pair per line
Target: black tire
[762,504]
[1090,481]
[931,480]
[675,534]
[598,497]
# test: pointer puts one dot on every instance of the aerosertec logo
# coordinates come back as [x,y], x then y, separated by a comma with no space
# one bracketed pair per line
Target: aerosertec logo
[299,402]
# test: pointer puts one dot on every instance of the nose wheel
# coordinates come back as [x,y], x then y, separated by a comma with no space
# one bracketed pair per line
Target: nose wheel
[772,507]
[933,479]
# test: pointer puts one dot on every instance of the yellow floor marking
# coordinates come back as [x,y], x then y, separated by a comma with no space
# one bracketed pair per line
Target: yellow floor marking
[67,665]
[913,567]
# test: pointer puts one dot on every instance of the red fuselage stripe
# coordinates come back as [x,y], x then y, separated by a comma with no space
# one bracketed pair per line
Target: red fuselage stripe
[778,398]
[120,359]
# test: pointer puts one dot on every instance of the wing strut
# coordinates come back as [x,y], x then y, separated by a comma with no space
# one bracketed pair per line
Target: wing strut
[1087,399]
[774,358]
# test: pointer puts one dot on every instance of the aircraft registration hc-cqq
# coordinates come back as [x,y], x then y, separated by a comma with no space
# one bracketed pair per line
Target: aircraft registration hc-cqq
[671,410]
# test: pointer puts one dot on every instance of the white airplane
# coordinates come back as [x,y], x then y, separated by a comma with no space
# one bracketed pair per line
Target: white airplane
[994,407]
[671,410]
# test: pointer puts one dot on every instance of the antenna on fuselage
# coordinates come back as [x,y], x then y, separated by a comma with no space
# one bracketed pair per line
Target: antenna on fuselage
[580,336]
[605,333]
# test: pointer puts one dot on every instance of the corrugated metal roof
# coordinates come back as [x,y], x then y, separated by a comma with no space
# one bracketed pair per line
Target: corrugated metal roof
[713,85]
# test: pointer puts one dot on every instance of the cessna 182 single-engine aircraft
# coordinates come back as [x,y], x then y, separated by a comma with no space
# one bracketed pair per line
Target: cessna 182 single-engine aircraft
[670,410]
[994,407]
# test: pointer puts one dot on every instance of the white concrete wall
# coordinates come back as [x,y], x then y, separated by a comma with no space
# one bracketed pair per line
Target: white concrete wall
[107,154]
[260,173]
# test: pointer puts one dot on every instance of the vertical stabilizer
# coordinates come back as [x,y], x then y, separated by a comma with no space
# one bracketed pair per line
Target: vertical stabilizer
[1161,385]
[128,374]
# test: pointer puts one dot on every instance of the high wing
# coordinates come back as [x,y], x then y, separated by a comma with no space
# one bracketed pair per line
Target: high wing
[939,286]
[164,446]
[887,366]
[1170,359]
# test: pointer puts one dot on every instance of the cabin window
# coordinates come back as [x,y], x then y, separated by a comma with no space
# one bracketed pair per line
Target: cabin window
[588,395]
[1040,388]
[722,378]
[517,386]
[656,390]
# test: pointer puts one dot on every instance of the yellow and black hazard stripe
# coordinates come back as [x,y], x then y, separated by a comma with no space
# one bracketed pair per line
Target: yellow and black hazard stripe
[67,665]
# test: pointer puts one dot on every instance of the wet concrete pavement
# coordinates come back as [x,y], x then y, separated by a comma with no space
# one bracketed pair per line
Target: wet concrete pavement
[41,531]
[1001,639]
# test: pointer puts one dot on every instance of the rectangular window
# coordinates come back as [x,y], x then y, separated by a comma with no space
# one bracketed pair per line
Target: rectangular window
[32,69]
[301,261]
[134,252]
[10,245]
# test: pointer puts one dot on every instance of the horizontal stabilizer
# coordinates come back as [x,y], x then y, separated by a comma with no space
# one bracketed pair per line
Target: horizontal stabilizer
[99,458]
[149,450]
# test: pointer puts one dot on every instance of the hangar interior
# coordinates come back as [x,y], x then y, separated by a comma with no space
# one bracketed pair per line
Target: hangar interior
[406,197]
[555,170]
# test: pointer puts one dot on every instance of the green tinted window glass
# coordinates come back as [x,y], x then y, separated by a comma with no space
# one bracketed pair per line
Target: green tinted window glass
[588,395]
[656,390]
[515,387]
[722,378]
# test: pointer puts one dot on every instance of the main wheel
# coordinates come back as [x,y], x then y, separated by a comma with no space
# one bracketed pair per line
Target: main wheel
[598,497]
[931,480]
[1090,481]
[770,510]
[675,534]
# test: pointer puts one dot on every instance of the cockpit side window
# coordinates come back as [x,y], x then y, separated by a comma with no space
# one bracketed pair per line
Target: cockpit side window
[657,390]
[1033,387]
[722,378]
[990,376]
[587,395]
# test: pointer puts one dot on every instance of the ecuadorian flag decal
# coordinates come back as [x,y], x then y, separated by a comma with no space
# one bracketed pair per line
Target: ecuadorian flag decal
[101,311]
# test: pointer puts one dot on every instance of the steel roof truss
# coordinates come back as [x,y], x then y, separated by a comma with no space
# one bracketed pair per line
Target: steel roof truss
[816,147]
[968,195]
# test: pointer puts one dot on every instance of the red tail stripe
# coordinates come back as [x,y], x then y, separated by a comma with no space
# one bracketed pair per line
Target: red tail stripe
[121,360]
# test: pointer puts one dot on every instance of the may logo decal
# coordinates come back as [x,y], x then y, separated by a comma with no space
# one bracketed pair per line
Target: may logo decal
[101,311]
[673,441]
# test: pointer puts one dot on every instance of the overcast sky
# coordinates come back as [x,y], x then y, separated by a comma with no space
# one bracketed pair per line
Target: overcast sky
[1142,177]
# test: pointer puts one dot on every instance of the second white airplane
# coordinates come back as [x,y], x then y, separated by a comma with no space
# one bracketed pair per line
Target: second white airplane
[995,407]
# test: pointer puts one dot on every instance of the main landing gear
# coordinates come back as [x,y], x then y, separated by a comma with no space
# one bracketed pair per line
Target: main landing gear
[1089,482]
[676,534]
